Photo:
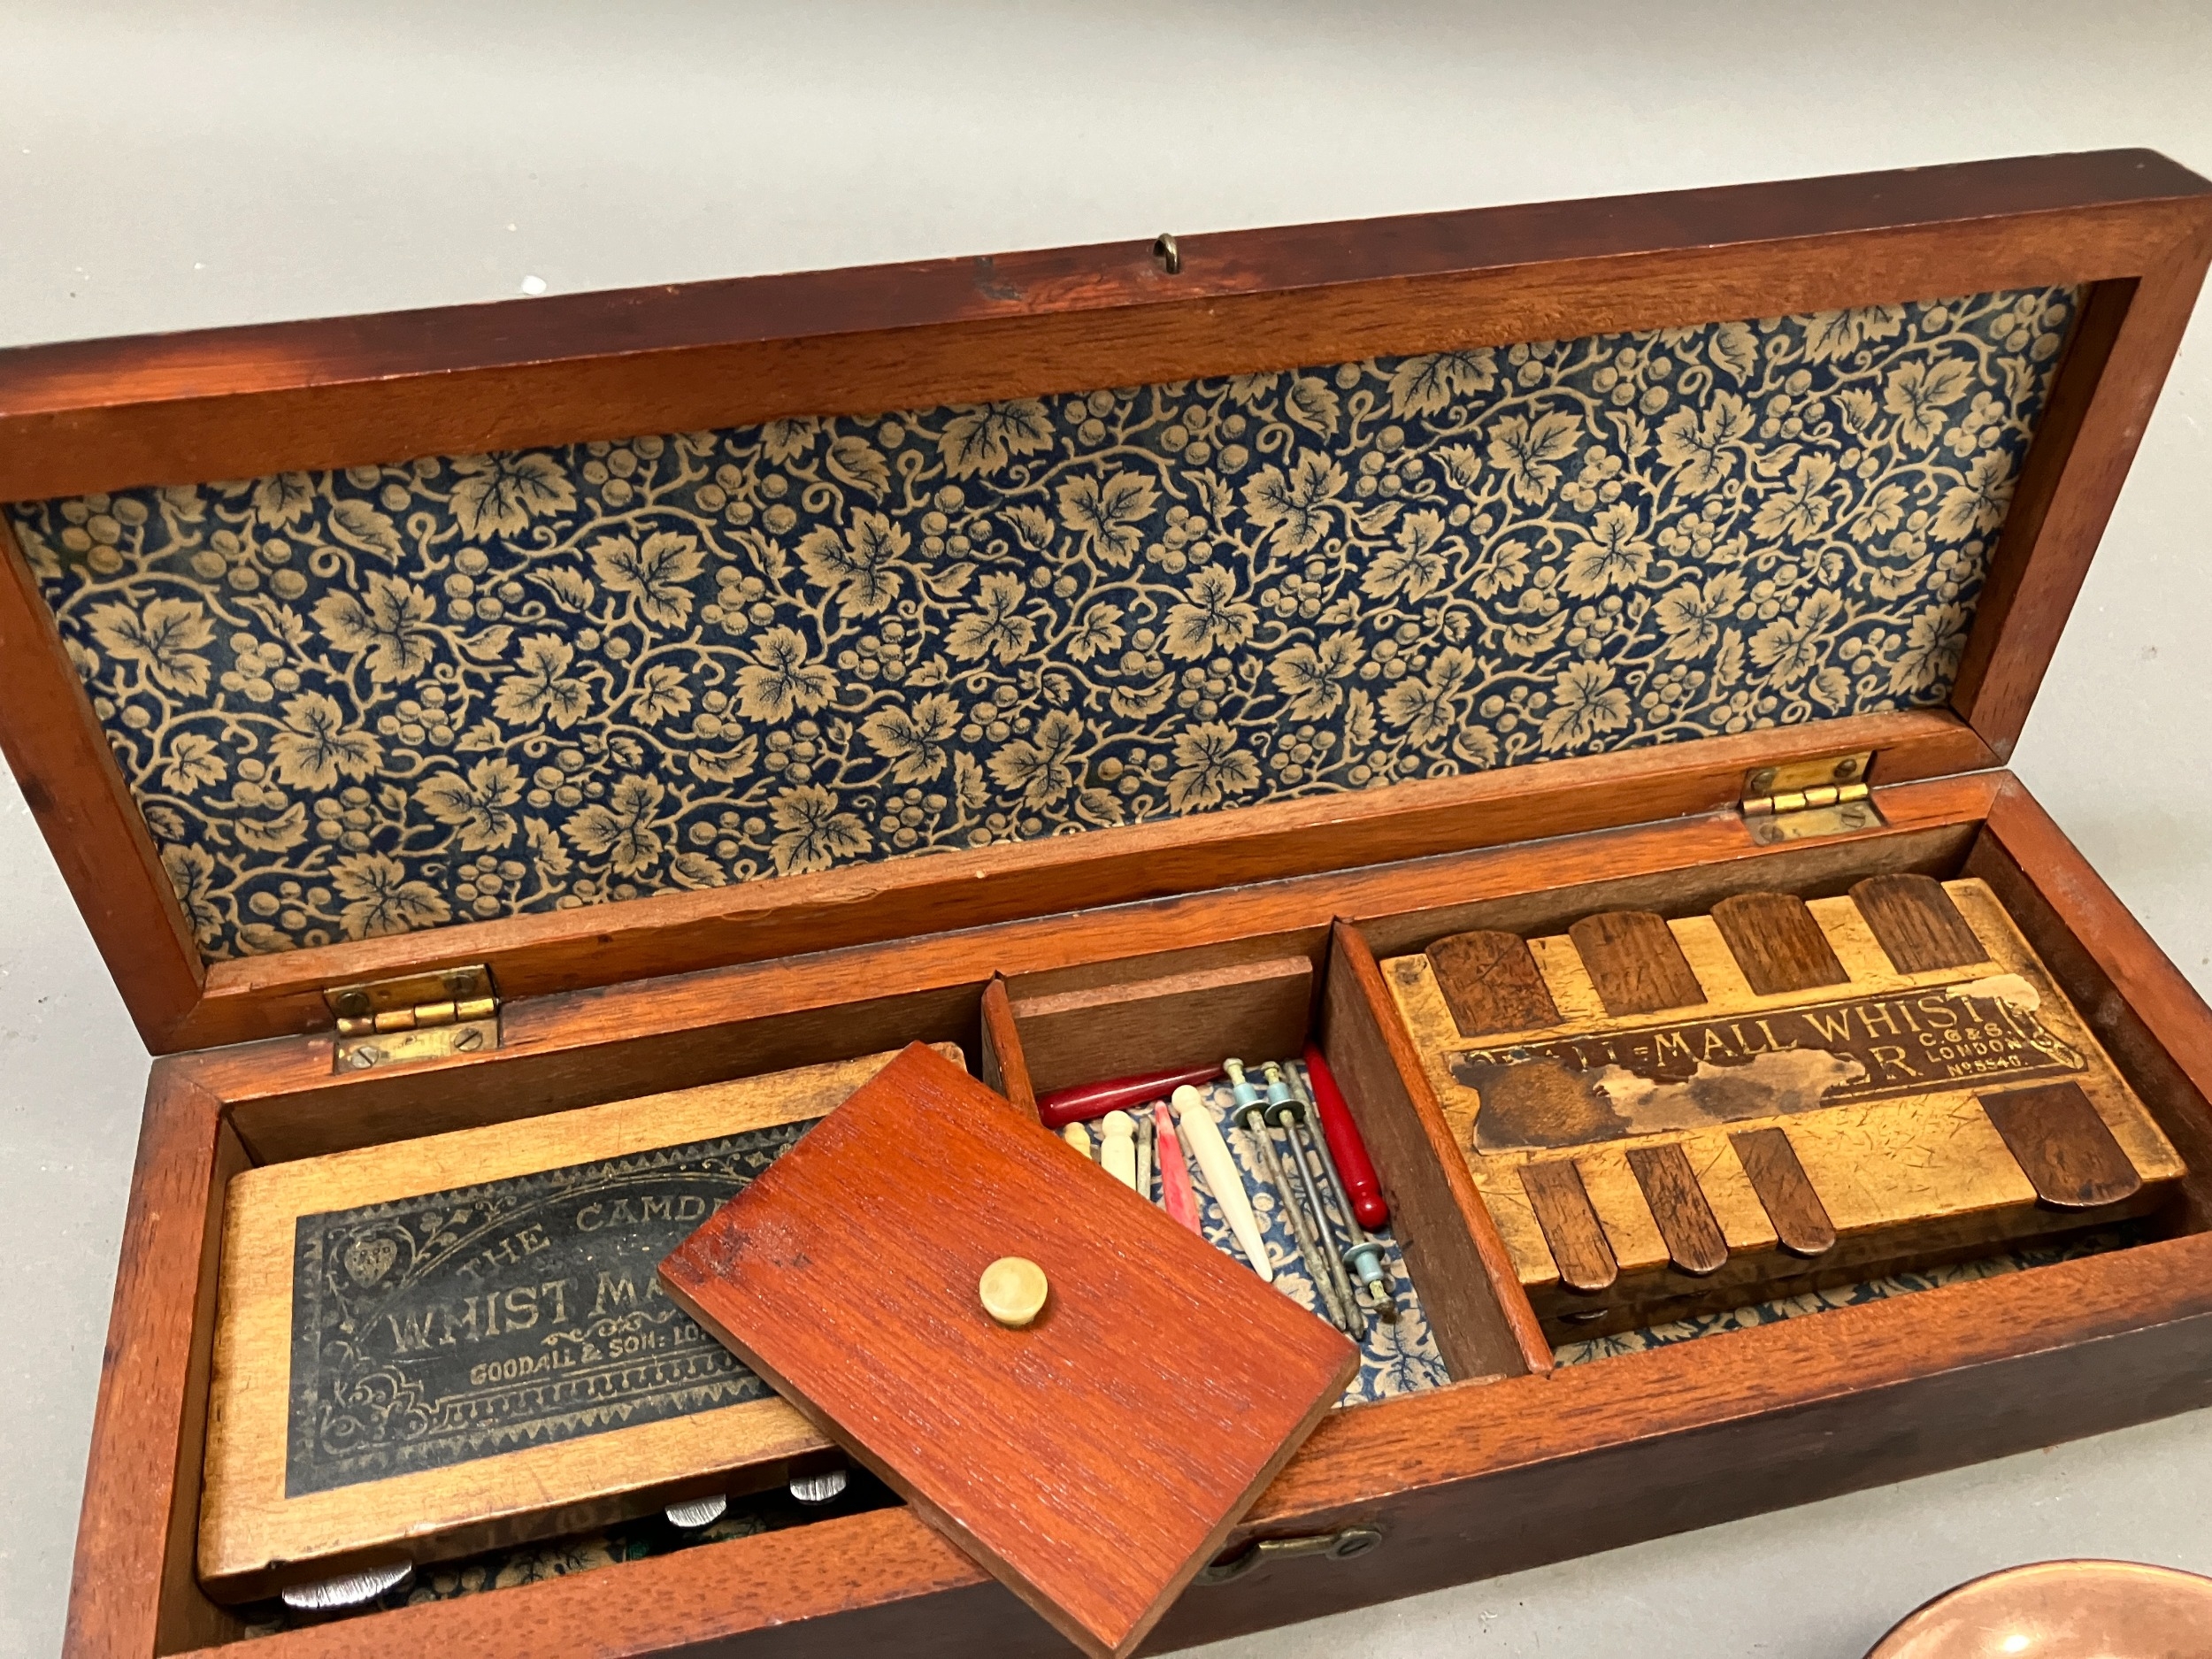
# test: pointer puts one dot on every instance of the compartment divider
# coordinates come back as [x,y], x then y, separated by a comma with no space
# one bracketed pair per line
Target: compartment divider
[1483,1321]
[1259,1008]
[1000,1060]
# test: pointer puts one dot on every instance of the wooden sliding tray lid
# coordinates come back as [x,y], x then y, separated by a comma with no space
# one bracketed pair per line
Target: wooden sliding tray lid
[566,642]
[1093,1457]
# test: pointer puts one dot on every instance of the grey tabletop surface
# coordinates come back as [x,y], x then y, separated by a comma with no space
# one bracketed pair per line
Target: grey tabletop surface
[167,167]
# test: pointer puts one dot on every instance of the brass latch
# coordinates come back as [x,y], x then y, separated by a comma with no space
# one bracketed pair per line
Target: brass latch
[1341,1546]
[422,1017]
[1809,797]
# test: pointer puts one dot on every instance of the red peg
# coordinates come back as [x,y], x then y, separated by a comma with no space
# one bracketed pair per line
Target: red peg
[1080,1104]
[1345,1146]
[1176,1197]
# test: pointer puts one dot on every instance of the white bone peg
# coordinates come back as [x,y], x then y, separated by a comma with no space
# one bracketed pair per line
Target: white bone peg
[1203,1135]
[1078,1137]
[1118,1147]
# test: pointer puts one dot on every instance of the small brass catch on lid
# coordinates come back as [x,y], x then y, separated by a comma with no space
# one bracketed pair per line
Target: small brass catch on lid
[1013,1290]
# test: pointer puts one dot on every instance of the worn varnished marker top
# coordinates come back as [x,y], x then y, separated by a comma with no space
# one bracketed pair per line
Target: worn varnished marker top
[1491,983]
[1800,1221]
[1092,1460]
[2062,1146]
[1695,1241]
[1776,943]
[1572,1228]
[1918,927]
[1633,959]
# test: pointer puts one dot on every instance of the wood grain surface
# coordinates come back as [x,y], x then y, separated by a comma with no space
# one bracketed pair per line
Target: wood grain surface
[242,402]
[1003,1065]
[1800,1221]
[1571,1227]
[253,1536]
[1478,1312]
[133,1590]
[1776,943]
[2062,1146]
[1127,1027]
[1917,926]
[1633,961]
[1491,983]
[1092,1460]
[2100,400]
[85,810]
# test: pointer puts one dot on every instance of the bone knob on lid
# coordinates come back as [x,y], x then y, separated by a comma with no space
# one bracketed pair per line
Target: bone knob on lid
[1013,1291]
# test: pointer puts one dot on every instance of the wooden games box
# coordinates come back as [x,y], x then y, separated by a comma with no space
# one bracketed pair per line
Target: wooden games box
[449,719]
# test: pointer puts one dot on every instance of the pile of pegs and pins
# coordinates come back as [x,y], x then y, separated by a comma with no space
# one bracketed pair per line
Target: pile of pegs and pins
[1324,1182]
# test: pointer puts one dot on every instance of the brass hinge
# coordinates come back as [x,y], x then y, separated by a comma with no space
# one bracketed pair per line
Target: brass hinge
[423,1016]
[1809,798]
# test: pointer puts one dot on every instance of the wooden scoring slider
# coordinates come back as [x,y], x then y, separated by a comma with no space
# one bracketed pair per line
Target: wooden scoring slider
[1668,1118]
[447,1344]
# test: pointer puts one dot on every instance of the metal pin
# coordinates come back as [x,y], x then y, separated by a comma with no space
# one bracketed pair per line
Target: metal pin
[1169,255]
[1363,1255]
[1288,1110]
[1251,1113]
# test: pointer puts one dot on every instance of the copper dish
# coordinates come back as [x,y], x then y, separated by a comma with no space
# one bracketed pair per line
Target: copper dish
[2062,1609]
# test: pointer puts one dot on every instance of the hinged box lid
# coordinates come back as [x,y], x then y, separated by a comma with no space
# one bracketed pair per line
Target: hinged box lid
[1091,1450]
[596,638]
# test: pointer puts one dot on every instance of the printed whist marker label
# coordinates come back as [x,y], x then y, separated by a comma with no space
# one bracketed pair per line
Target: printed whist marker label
[474,1321]
[1695,1073]
[457,1341]
[1817,1101]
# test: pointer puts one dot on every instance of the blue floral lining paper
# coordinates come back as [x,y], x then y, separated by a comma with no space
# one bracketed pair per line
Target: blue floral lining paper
[392,697]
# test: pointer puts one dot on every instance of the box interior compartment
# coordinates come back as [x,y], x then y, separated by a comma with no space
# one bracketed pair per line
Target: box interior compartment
[1773,1284]
[1257,999]
[1260,995]
[1223,986]
[334,1112]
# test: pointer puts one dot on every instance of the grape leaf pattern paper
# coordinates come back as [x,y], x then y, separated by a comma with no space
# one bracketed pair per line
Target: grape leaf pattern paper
[391,697]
